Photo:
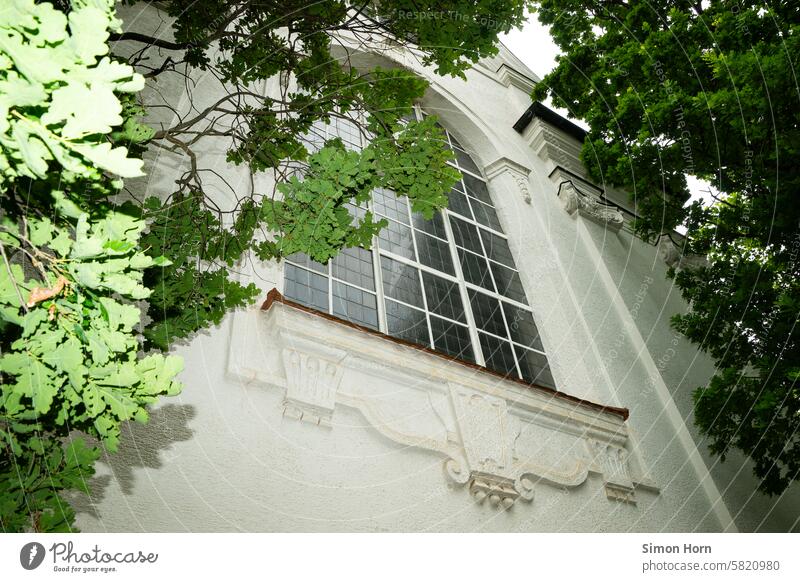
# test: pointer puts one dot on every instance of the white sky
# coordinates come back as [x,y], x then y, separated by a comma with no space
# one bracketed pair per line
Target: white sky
[534,47]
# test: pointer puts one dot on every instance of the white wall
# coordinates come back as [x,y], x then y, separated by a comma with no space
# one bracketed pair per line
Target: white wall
[223,457]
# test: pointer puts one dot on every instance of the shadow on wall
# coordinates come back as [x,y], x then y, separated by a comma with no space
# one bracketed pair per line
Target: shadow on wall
[146,446]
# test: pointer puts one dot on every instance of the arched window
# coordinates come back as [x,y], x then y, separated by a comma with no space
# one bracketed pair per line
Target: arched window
[449,283]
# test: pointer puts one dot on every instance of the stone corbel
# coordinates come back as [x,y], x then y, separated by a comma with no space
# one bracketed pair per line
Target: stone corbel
[576,203]
[517,172]
[611,461]
[676,259]
[313,374]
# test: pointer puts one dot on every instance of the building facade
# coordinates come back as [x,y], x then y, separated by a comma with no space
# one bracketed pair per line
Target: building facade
[507,366]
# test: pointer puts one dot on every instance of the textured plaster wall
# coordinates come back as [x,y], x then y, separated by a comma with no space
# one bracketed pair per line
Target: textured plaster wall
[220,457]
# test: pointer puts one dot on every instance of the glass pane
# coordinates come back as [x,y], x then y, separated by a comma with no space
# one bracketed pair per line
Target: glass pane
[508,283]
[475,269]
[476,188]
[466,162]
[466,235]
[497,248]
[355,305]
[434,226]
[487,312]
[452,339]
[485,214]
[304,260]
[348,131]
[306,287]
[396,238]
[443,297]
[355,211]
[534,367]
[434,253]
[354,266]
[401,281]
[458,203]
[498,355]
[407,323]
[522,327]
[386,203]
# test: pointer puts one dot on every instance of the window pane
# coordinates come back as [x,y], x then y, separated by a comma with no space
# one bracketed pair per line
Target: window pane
[401,281]
[407,323]
[396,238]
[458,203]
[475,269]
[487,312]
[386,203]
[534,367]
[497,248]
[304,260]
[485,215]
[306,287]
[476,188]
[443,297]
[522,327]
[434,253]
[354,266]
[452,339]
[434,226]
[465,161]
[466,235]
[498,355]
[356,212]
[508,283]
[355,305]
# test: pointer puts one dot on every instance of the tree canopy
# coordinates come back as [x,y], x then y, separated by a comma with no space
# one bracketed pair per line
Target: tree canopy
[707,89]
[97,282]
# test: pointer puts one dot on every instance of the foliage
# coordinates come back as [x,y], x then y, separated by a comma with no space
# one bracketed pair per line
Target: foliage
[78,355]
[72,270]
[311,51]
[677,88]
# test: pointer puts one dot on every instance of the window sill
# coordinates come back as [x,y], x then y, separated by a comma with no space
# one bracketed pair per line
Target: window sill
[499,437]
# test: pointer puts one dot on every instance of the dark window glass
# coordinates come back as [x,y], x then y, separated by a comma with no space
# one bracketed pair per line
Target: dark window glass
[458,203]
[476,188]
[485,214]
[396,238]
[522,327]
[465,161]
[452,339]
[355,305]
[498,355]
[386,203]
[443,297]
[434,253]
[407,323]
[354,266]
[306,287]
[497,248]
[401,281]
[466,235]
[534,367]
[508,283]
[304,260]
[475,269]
[487,312]
[434,226]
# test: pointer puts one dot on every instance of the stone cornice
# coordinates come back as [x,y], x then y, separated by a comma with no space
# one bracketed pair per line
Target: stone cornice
[498,436]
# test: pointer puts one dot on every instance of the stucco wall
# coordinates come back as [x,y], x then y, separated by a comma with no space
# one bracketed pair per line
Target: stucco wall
[223,457]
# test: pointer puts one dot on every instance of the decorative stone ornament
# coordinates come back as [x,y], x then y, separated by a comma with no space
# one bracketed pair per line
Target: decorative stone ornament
[576,203]
[498,437]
